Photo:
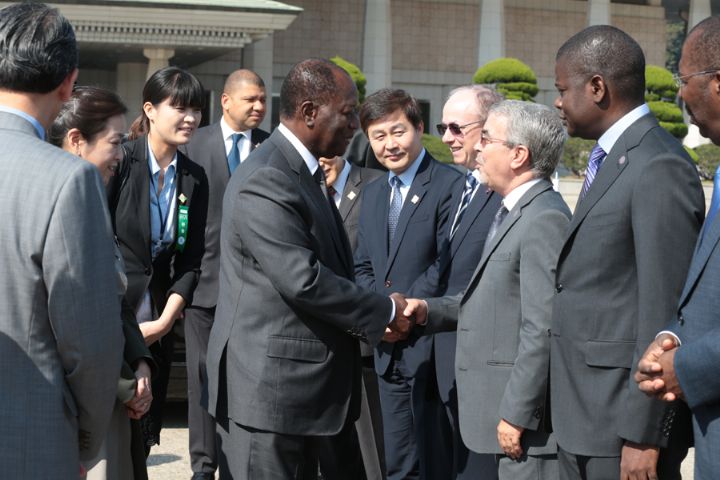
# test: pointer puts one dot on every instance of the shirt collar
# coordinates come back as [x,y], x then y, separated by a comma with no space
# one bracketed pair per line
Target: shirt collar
[408,175]
[609,138]
[154,167]
[227,131]
[512,198]
[33,121]
[342,177]
[309,158]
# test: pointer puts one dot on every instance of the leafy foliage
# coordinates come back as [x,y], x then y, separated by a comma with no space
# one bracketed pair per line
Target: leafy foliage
[708,159]
[660,94]
[512,78]
[437,148]
[576,153]
[355,73]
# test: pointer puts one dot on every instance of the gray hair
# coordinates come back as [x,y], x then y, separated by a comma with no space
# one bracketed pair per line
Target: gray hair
[485,97]
[537,127]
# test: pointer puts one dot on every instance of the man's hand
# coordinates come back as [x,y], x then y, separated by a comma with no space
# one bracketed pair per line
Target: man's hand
[508,436]
[656,375]
[638,462]
[417,308]
[401,324]
[140,403]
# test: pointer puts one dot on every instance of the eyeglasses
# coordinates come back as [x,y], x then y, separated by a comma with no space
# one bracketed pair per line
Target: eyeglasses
[485,139]
[681,80]
[454,128]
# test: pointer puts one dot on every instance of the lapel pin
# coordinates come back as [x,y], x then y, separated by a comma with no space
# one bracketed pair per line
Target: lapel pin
[621,160]
[415,199]
[182,198]
[351,195]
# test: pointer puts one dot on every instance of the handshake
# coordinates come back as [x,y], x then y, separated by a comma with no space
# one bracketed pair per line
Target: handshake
[408,313]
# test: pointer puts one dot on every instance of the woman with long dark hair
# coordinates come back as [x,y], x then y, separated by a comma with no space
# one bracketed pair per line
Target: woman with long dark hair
[92,126]
[158,203]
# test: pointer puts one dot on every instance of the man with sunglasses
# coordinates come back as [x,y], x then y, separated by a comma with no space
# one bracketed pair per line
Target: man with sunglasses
[475,205]
[682,362]
[621,269]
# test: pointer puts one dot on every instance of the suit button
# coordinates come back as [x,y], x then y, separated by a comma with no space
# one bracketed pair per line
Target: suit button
[681,319]
[388,284]
[147,272]
[558,288]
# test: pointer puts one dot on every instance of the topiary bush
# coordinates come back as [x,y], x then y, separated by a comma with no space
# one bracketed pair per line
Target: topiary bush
[355,73]
[660,93]
[576,153]
[437,148]
[511,77]
[708,158]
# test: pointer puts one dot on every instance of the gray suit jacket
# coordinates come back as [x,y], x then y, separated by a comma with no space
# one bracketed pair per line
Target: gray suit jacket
[288,315]
[61,338]
[503,318]
[619,277]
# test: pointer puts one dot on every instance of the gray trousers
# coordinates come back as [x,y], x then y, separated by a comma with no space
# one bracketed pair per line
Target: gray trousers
[529,467]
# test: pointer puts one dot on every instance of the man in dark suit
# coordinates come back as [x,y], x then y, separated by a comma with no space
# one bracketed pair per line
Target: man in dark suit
[345,183]
[404,222]
[473,211]
[505,311]
[283,360]
[219,148]
[682,363]
[622,265]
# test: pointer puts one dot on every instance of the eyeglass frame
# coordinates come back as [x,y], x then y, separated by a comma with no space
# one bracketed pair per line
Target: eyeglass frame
[681,80]
[442,128]
[485,139]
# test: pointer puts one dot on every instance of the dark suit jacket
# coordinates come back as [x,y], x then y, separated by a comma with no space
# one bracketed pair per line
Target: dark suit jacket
[456,265]
[129,199]
[504,316]
[420,236]
[283,353]
[619,277]
[697,326]
[207,149]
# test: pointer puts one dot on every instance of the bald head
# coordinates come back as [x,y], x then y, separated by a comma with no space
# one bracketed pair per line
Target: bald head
[702,47]
[243,100]
[241,77]
[479,96]
[314,80]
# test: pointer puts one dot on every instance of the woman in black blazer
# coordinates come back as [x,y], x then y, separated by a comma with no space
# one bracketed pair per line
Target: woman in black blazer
[158,203]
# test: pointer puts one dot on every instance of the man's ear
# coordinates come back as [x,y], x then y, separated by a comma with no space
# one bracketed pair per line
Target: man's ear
[598,88]
[520,158]
[308,111]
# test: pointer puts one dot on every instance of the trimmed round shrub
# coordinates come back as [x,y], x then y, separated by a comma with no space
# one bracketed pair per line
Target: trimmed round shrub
[666,112]
[437,148]
[511,77]
[575,154]
[708,159]
[677,130]
[659,84]
[355,73]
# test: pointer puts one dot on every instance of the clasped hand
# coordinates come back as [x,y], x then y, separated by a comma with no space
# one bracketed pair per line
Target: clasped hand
[408,312]
[656,372]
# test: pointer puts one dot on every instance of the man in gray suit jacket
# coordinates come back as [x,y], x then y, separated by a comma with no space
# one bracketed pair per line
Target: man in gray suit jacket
[283,360]
[684,363]
[504,314]
[218,148]
[61,338]
[622,264]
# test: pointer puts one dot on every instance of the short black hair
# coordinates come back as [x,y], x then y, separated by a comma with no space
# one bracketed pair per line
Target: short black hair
[88,110]
[180,86]
[37,48]
[611,53]
[312,79]
[386,101]
[704,46]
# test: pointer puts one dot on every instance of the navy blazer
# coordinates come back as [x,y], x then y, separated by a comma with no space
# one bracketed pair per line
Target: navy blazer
[420,236]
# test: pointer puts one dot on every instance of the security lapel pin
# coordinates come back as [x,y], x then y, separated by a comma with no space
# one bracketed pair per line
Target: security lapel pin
[182,198]
[415,199]
[621,160]
[351,195]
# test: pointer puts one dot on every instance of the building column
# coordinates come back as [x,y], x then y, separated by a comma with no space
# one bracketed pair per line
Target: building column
[599,12]
[130,79]
[158,58]
[491,41]
[377,45]
[258,57]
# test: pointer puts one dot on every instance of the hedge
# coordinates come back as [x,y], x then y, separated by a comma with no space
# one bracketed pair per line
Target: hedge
[576,153]
[659,84]
[437,148]
[510,76]
[666,112]
[708,160]
[355,73]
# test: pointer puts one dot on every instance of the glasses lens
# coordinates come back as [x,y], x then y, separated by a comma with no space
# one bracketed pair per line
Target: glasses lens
[441,128]
[455,129]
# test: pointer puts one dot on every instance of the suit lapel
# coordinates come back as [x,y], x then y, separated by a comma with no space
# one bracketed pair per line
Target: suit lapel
[477,204]
[351,192]
[511,219]
[217,152]
[140,191]
[703,250]
[414,197]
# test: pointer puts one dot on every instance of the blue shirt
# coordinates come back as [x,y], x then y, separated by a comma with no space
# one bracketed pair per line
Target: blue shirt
[33,121]
[162,204]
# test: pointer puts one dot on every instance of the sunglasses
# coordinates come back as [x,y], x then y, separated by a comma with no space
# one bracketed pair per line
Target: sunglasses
[454,128]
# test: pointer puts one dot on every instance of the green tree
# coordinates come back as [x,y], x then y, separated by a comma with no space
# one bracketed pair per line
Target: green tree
[660,93]
[437,148]
[576,153]
[708,159]
[511,77]
[355,73]
[675,34]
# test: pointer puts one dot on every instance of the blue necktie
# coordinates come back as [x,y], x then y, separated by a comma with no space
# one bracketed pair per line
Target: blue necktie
[596,157]
[470,184]
[233,158]
[714,203]
[395,207]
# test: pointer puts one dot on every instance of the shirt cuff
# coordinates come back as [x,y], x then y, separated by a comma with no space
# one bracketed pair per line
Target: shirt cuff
[392,312]
[677,339]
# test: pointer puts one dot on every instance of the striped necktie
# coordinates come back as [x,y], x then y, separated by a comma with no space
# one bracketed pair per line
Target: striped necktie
[470,185]
[395,207]
[597,155]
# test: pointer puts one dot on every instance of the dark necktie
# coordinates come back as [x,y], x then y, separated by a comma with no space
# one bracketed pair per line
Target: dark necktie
[233,158]
[714,203]
[395,207]
[331,194]
[470,184]
[597,155]
[497,221]
[319,177]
